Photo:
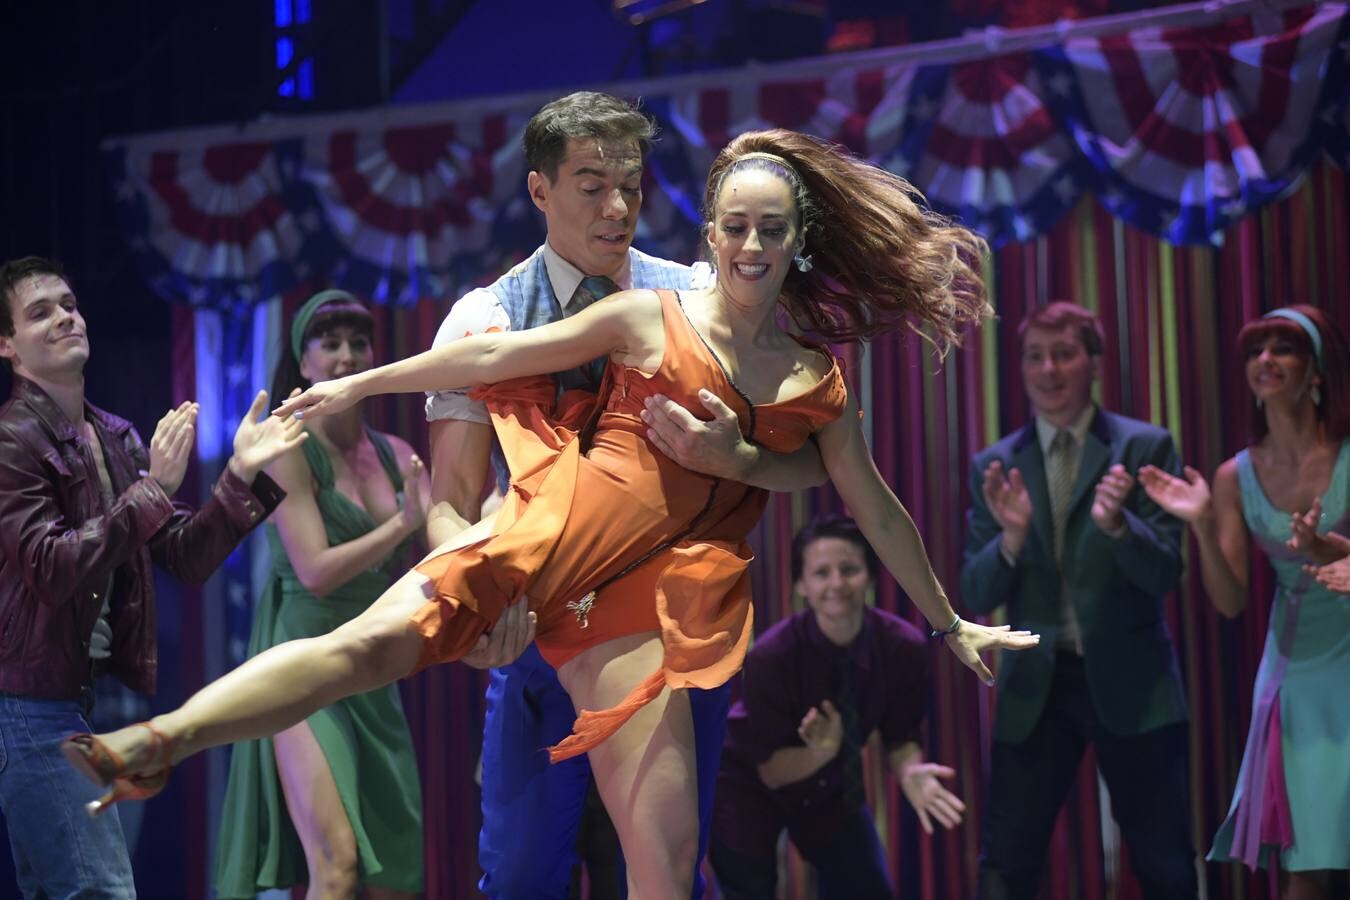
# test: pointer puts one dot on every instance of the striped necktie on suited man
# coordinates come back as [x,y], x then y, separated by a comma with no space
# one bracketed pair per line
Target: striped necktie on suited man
[591,289]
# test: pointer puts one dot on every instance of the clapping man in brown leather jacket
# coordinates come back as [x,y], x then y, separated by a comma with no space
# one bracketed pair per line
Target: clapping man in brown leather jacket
[84,508]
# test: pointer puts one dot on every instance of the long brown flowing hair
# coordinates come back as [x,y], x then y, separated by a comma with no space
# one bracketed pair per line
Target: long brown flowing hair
[882,260]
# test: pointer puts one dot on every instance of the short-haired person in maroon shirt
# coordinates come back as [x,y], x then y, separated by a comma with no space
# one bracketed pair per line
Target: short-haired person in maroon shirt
[815,686]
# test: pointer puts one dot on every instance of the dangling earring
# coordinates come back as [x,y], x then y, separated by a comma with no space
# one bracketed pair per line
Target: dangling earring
[1316,394]
[1260,403]
[803,263]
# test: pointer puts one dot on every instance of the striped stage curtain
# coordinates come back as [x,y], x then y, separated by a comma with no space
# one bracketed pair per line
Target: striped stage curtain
[1171,315]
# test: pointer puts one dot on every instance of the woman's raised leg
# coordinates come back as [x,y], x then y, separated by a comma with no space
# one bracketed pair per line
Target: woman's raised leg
[285,684]
[646,772]
[288,682]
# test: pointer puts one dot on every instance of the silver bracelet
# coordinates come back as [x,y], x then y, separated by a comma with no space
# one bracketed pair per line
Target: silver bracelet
[950,629]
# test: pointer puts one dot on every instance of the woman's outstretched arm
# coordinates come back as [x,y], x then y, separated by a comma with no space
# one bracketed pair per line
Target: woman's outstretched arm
[1216,520]
[626,326]
[891,532]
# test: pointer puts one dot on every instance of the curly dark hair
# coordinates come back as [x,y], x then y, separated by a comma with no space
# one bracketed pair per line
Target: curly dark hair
[882,260]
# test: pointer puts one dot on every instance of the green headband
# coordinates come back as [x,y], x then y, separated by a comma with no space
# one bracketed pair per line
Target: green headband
[300,324]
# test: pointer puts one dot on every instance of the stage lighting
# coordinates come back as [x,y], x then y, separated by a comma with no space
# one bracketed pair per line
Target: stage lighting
[640,12]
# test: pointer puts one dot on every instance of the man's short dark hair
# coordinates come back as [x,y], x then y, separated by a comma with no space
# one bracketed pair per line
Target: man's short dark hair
[1062,314]
[12,274]
[831,526]
[584,114]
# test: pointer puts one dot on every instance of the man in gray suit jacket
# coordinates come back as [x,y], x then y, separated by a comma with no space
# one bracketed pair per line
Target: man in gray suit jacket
[1059,532]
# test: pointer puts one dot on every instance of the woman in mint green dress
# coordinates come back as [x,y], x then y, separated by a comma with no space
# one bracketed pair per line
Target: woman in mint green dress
[1286,493]
[335,801]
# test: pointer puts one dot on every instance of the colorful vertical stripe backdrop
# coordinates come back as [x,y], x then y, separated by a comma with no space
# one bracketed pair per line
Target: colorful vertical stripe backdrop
[1179,173]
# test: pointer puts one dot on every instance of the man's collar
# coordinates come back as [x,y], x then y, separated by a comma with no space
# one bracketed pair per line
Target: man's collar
[858,648]
[1045,432]
[564,277]
[56,421]
[42,403]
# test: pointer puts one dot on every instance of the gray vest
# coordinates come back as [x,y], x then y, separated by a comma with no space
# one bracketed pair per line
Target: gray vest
[526,295]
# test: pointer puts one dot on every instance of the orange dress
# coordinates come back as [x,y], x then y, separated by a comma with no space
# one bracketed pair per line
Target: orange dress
[613,538]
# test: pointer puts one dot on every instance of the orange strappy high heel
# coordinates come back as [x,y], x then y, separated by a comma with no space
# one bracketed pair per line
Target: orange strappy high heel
[102,766]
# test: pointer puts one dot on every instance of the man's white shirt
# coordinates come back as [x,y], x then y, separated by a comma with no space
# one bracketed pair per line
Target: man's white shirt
[479,312]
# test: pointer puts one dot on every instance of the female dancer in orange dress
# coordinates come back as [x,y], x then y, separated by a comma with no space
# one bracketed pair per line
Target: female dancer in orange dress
[592,500]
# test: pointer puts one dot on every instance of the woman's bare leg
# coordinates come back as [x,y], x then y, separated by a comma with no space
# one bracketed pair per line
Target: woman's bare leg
[1313,885]
[646,772]
[320,820]
[289,682]
[318,815]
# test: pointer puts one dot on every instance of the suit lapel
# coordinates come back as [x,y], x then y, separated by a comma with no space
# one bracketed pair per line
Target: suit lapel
[1092,466]
[1028,460]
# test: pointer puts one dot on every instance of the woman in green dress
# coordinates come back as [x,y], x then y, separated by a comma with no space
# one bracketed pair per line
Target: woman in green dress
[334,801]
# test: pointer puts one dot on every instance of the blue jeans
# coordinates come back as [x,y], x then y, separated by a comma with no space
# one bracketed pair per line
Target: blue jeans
[59,851]
[531,809]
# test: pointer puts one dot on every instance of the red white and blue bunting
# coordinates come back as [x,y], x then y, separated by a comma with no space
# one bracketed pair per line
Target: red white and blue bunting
[1179,131]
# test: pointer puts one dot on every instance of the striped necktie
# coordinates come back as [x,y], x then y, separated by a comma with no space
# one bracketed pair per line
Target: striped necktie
[591,289]
[1061,472]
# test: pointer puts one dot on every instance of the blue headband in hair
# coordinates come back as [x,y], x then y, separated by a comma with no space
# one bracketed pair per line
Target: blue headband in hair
[1307,324]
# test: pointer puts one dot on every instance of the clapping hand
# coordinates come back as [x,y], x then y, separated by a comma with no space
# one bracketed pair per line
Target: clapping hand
[1112,490]
[171,446]
[1304,539]
[1336,575]
[416,496]
[258,441]
[1009,503]
[1188,500]
[822,730]
[1331,551]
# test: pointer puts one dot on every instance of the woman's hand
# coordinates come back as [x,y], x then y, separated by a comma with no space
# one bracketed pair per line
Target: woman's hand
[1323,549]
[1188,500]
[1335,576]
[414,511]
[971,639]
[323,399]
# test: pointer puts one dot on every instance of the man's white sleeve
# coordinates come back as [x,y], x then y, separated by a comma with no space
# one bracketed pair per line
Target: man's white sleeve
[477,312]
[701,276]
